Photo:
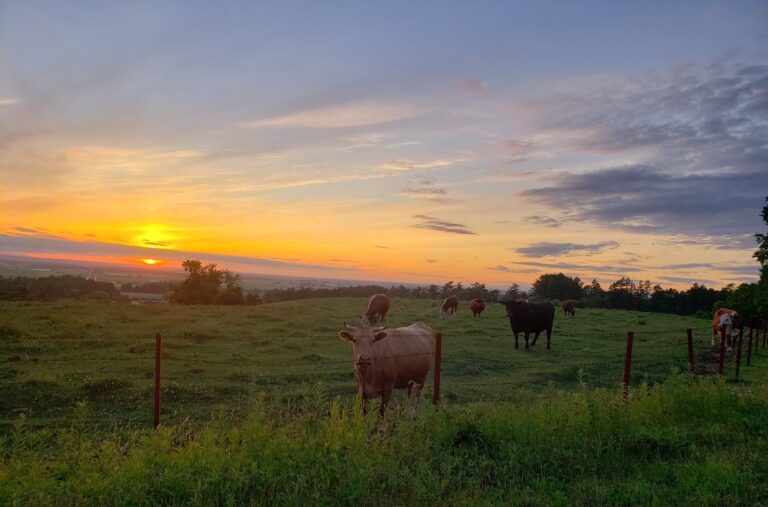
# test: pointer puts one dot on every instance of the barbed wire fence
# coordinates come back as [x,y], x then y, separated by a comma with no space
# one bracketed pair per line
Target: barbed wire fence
[188,381]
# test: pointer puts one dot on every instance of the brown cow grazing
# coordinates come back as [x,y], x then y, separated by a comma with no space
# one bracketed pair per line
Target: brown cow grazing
[729,321]
[568,308]
[449,306]
[388,359]
[378,306]
[477,306]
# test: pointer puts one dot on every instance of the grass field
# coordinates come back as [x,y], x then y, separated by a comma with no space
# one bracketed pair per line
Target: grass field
[53,355]
[259,409]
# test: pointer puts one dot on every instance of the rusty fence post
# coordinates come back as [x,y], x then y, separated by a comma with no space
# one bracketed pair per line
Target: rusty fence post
[628,362]
[722,351]
[691,359]
[438,365]
[738,355]
[158,358]
[749,347]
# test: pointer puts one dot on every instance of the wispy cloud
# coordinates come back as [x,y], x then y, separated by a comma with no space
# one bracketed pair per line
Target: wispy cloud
[581,267]
[39,244]
[546,249]
[340,116]
[421,192]
[8,102]
[430,261]
[542,220]
[432,223]
[471,85]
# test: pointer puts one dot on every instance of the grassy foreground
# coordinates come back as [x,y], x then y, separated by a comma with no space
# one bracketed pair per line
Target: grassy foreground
[684,442]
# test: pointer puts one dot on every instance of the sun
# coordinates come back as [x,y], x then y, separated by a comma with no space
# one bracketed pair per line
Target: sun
[150,262]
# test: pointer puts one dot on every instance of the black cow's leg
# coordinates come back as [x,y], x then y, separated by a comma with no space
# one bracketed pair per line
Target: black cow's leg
[515,333]
[527,334]
[535,338]
[549,336]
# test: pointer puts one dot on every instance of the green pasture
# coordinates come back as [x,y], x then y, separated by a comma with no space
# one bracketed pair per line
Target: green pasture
[54,355]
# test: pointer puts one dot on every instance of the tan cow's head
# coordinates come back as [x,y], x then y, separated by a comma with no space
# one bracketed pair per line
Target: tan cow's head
[362,339]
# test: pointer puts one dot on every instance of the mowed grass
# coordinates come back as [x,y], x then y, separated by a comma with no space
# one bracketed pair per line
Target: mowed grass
[54,355]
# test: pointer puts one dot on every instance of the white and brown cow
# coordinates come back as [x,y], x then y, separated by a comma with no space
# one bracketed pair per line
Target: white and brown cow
[378,306]
[387,359]
[729,321]
[449,306]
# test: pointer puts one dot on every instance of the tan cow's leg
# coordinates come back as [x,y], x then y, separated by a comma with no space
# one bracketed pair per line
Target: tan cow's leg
[385,396]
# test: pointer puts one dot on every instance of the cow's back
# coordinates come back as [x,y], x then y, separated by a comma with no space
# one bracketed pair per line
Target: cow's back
[405,355]
[534,317]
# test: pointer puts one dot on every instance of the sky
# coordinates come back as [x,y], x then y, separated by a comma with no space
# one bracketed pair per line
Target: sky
[393,141]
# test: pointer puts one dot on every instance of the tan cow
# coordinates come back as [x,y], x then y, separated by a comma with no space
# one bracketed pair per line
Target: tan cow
[728,320]
[378,306]
[449,306]
[568,308]
[477,306]
[388,359]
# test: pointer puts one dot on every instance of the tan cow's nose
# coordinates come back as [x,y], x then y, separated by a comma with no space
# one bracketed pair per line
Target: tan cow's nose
[363,361]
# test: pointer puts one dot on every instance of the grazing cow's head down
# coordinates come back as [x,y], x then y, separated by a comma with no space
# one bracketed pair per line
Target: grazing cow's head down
[726,323]
[362,339]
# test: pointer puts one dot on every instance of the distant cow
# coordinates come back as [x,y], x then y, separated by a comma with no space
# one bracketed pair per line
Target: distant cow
[477,306]
[388,359]
[449,306]
[568,308]
[378,306]
[530,318]
[728,320]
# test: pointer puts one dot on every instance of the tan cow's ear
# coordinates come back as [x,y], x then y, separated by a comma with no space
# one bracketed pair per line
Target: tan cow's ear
[346,336]
[380,336]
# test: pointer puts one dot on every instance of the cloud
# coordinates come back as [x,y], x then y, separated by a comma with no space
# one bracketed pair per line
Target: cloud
[698,140]
[427,222]
[422,192]
[382,246]
[501,268]
[400,166]
[430,261]
[471,85]
[546,249]
[687,280]
[340,116]
[582,267]
[37,244]
[542,220]
[8,102]
[742,269]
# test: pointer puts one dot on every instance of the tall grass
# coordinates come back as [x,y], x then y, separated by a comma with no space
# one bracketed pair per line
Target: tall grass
[683,442]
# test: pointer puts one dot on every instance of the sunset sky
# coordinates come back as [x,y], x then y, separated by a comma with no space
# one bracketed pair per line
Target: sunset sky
[392,141]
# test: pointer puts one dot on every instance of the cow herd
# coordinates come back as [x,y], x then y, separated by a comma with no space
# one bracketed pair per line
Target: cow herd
[387,359]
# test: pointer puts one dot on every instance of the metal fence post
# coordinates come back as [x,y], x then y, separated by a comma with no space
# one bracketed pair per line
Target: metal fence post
[628,362]
[691,359]
[158,359]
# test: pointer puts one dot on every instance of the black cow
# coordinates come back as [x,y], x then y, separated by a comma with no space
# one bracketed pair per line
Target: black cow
[530,318]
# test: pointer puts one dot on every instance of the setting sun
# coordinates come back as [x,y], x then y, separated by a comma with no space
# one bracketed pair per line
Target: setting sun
[150,262]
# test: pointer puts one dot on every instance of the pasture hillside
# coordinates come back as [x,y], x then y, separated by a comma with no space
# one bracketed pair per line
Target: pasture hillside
[54,355]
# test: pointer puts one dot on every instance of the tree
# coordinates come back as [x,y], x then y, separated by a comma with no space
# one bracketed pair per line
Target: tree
[207,285]
[557,286]
[761,292]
